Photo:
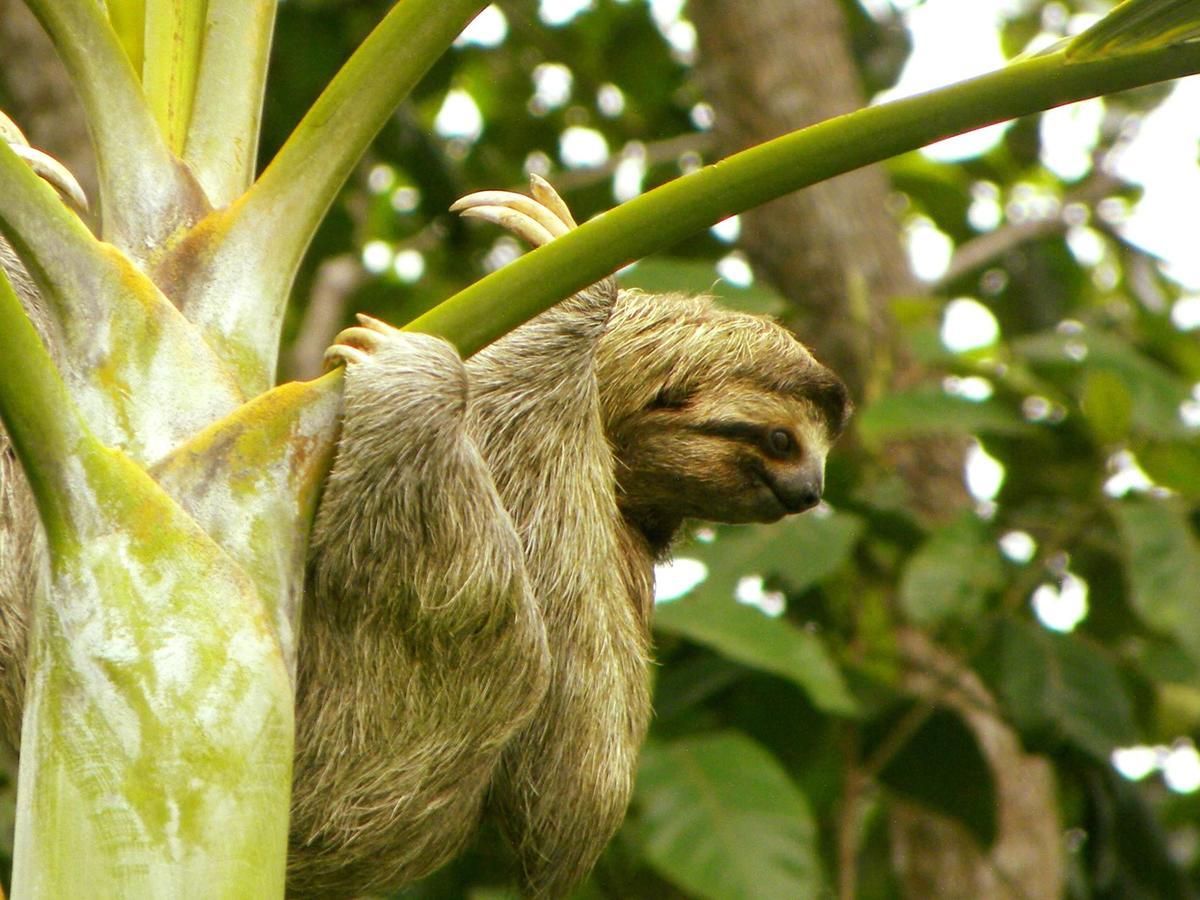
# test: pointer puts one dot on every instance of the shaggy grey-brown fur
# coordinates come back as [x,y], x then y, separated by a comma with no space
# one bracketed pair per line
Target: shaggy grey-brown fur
[415,666]
[565,781]
[22,547]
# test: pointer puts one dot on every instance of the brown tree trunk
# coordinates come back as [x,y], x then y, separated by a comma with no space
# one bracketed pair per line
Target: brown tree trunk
[771,67]
[834,252]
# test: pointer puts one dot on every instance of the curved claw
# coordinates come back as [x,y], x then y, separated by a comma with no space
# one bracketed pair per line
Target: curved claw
[517,222]
[518,203]
[376,324]
[544,193]
[538,218]
[343,355]
[54,173]
[356,343]
[46,166]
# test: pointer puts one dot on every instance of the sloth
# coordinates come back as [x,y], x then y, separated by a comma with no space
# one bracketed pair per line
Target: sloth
[475,637]
[605,423]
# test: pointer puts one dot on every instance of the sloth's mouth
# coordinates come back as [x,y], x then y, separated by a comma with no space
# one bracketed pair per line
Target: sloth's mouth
[770,506]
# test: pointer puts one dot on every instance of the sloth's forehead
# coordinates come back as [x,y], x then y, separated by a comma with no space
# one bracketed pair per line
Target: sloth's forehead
[751,400]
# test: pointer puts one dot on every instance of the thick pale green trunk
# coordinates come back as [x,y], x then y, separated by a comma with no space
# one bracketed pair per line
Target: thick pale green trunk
[157,743]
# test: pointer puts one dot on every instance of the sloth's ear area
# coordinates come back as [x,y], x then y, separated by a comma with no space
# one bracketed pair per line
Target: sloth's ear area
[538,219]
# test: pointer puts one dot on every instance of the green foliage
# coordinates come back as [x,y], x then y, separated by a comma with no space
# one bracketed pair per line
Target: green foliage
[721,818]
[932,411]
[1058,688]
[1163,559]
[951,575]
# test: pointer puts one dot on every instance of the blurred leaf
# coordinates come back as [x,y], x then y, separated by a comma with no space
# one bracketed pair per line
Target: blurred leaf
[1155,391]
[941,191]
[1175,465]
[1128,849]
[1058,687]
[1018,29]
[1106,405]
[932,411]
[723,820]
[797,553]
[1176,710]
[959,784]
[1138,25]
[1164,660]
[683,685]
[746,635]
[669,275]
[951,574]
[1163,560]
[880,43]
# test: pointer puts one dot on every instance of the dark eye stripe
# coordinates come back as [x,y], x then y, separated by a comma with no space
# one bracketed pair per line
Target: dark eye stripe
[738,431]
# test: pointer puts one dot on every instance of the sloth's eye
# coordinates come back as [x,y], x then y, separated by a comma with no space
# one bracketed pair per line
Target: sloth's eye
[780,442]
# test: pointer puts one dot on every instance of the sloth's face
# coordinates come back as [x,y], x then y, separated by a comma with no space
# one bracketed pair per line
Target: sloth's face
[738,454]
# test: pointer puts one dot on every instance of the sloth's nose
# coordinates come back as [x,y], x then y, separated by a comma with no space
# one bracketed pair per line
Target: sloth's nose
[799,490]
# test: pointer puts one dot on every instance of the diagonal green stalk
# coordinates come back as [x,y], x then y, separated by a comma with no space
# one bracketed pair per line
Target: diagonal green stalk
[171,62]
[38,415]
[496,304]
[233,273]
[145,193]
[140,372]
[222,139]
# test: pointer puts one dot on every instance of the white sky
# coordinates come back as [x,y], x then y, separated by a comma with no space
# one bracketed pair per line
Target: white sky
[953,40]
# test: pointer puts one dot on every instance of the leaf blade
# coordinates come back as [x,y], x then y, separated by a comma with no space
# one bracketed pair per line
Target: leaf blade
[723,820]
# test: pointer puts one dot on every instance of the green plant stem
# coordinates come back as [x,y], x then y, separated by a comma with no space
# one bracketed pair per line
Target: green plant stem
[171,61]
[41,421]
[145,193]
[140,373]
[222,138]
[496,304]
[233,275]
[128,19]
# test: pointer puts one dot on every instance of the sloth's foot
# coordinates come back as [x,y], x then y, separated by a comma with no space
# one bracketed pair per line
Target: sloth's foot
[538,219]
[55,173]
[355,344]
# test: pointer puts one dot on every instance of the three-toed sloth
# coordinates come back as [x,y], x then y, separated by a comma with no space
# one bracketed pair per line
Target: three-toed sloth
[475,633]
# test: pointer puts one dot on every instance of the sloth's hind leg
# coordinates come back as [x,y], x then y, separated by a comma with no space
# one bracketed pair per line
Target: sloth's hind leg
[422,651]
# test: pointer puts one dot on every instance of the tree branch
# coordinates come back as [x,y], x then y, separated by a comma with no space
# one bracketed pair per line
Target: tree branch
[656,220]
